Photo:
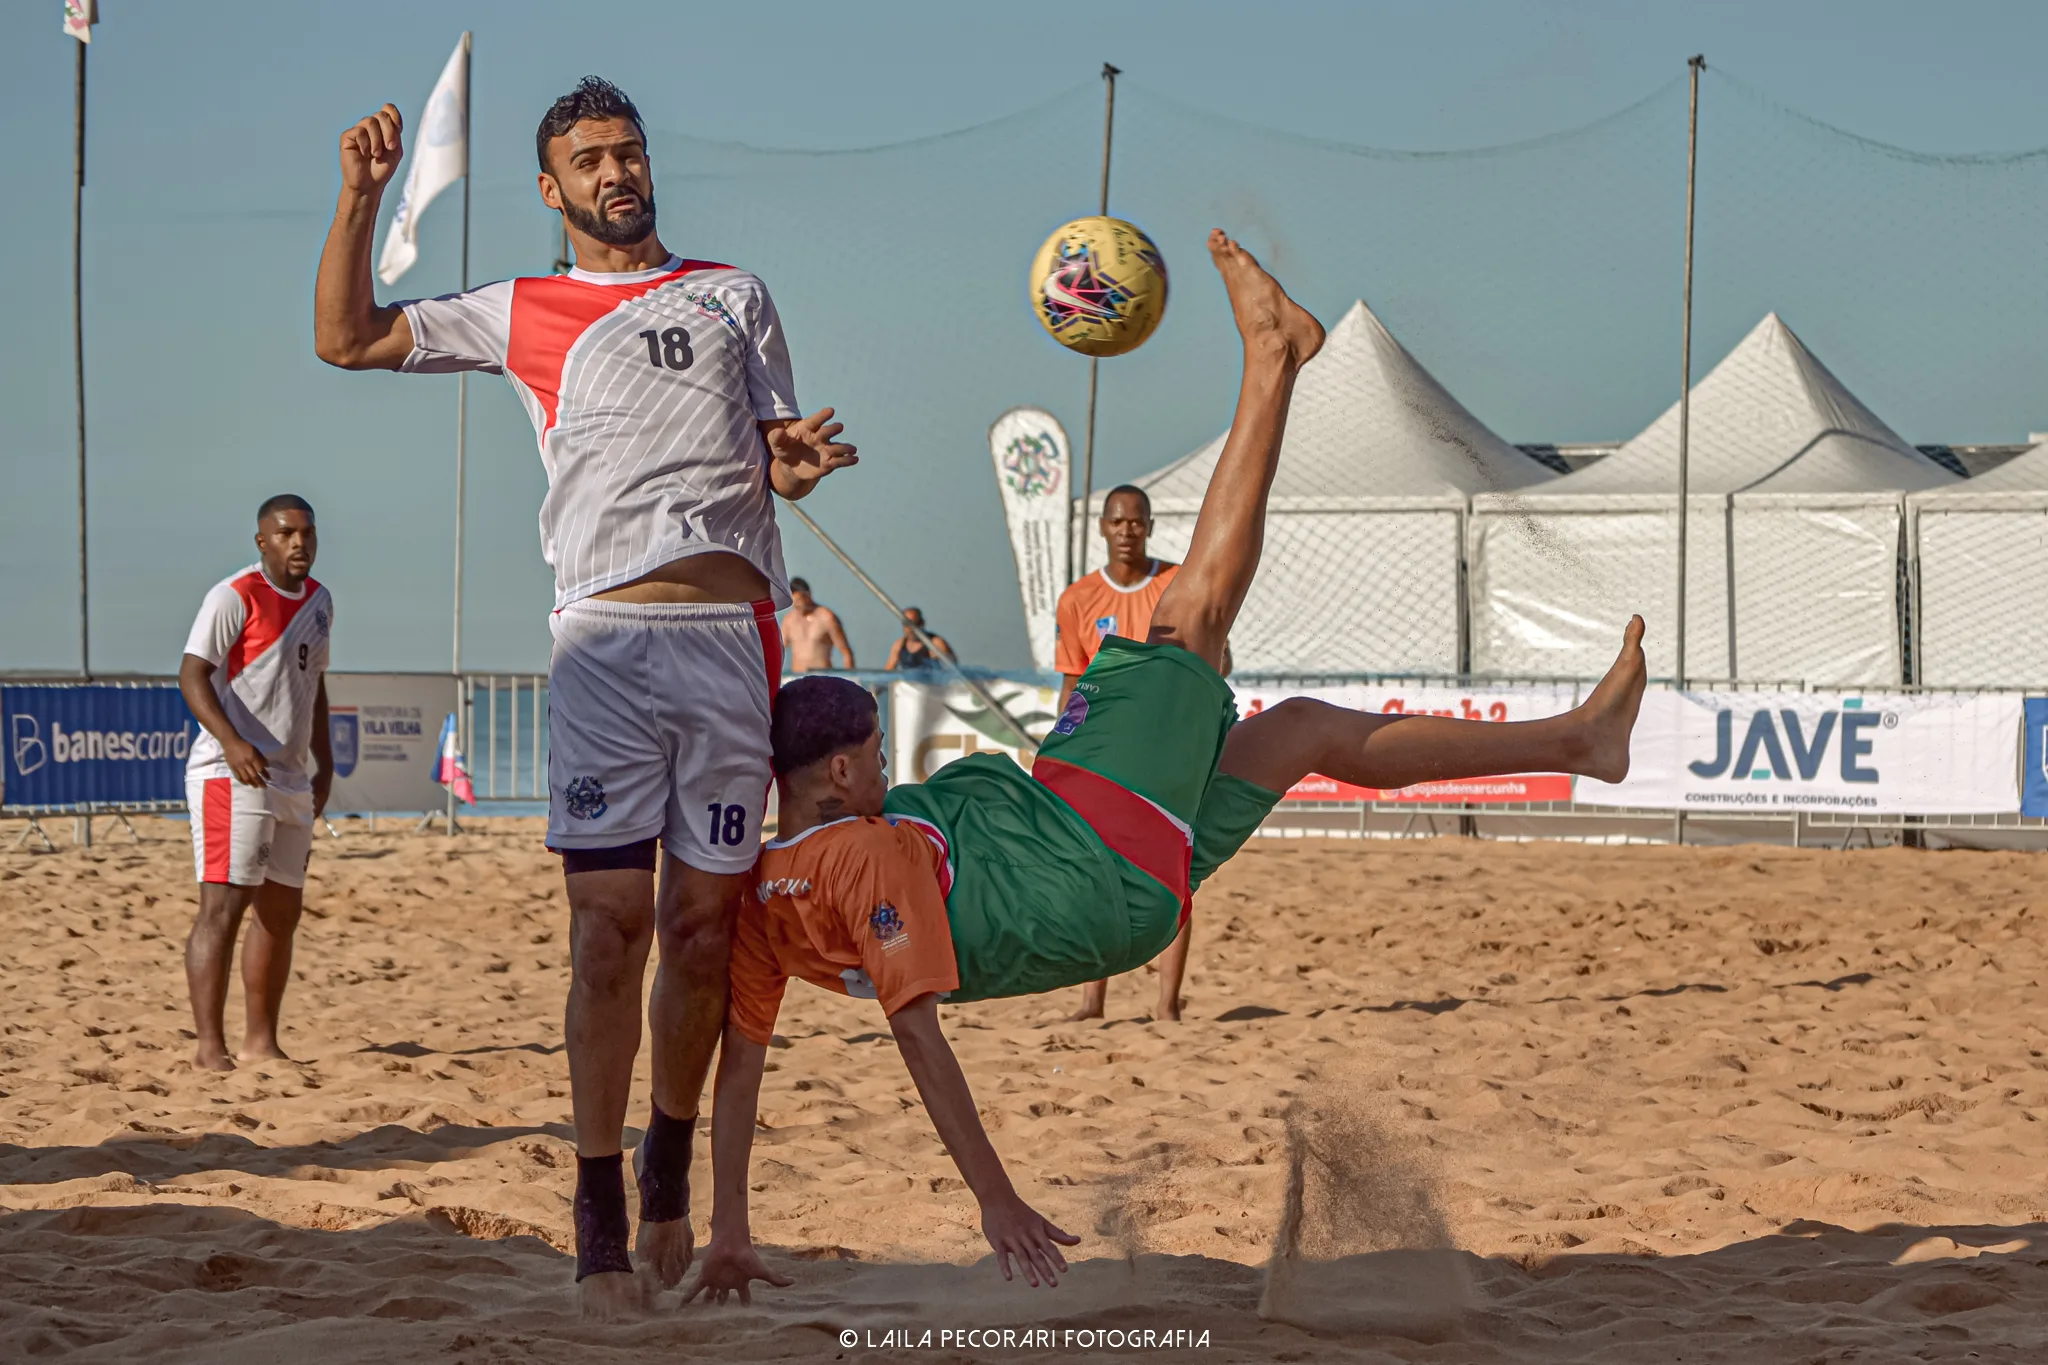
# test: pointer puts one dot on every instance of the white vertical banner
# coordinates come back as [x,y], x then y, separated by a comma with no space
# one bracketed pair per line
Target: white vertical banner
[384,728]
[440,157]
[1034,473]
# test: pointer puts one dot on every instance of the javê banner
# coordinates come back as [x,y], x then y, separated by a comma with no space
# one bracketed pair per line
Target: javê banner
[1034,474]
[931,724]
[1506,703]
[84,745]
[385,728]
[1923,753]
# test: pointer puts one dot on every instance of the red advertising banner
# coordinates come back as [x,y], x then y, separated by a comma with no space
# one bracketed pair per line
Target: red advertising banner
[1506,703]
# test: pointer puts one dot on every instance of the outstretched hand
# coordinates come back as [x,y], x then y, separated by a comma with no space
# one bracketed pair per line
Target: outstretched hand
[371,150]
[1014,1228]
[731,1269]
[804,451]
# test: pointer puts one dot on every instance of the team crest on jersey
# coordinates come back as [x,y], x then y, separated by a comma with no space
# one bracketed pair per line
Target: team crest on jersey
[584,799]
[320,621]
[712,306]
[1074,716]
[1105,625]
[888,928]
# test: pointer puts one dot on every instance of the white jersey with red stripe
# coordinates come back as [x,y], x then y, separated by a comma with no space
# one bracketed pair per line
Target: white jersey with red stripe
[268,649]
[645,389]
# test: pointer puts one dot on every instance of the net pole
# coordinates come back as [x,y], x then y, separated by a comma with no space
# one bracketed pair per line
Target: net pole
[1080,531]
[1697,64]
[987,698]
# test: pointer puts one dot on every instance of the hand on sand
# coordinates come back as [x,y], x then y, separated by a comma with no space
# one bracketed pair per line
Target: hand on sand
[1265,315]
[1014,1228]
[731,1267]
[1610,713]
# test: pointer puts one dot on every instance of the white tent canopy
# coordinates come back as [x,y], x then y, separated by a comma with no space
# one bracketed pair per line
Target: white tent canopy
[1361,564]
[1794,515]
[1981,552]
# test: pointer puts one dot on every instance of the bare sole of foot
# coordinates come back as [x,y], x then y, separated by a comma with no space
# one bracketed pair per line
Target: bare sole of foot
[662,1253]
[611,1296]
[1610,712]
[1259,304]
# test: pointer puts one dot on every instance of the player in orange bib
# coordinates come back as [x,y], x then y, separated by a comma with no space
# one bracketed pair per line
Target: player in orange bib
[1118,599]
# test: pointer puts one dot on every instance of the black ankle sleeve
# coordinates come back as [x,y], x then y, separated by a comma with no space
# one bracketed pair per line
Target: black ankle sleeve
[601,1215]
[662,1166]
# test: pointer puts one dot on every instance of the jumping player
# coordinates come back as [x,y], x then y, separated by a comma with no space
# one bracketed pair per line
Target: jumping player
[986,881]
[661,394]
[1118,599]
[255,676]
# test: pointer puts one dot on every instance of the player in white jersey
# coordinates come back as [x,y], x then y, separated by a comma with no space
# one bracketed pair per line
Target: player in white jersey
[660,391]
[255,676]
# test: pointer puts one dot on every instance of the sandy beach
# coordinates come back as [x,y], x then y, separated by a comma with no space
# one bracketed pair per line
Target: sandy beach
[1436,1101]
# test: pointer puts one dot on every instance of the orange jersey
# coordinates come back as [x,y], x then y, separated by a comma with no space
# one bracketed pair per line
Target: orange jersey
[1093,608]
[857,906]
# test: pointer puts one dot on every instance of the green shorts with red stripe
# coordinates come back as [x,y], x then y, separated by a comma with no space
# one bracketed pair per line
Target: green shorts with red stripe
[1084,869]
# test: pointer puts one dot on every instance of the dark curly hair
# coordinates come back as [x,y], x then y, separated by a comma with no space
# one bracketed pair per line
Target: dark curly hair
[593,98]
[816,717]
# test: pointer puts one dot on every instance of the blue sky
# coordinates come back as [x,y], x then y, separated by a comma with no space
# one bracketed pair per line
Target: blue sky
[1540,287]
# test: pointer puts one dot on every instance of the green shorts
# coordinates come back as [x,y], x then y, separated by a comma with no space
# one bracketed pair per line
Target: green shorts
[1083,869]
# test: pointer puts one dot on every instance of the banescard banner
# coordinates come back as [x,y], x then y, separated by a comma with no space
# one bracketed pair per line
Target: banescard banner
[1507,703]
[932,724]
[384,728]
[1925,753]
[96,744]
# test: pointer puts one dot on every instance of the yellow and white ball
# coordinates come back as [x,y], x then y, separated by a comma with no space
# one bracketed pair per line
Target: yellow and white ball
[1098,286]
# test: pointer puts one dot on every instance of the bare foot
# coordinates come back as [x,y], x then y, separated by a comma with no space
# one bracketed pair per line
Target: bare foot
[1094,1002]
[1168,1012]
[1610,713]
[662,1253]
[212,1059]
[1260,305]
[611,1296]
[262,1052]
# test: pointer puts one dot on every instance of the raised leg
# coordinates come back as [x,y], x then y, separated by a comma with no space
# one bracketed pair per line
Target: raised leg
[693,923]
[1200,605]
[267,967]
[611,927]
[1281,745]
[209,953]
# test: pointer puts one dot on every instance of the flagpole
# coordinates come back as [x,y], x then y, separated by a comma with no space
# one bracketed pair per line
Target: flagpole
[1692,150]
[1079,561]
[461,428]
[78,358]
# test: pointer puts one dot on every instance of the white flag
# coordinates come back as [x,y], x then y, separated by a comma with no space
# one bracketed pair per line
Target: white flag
[440,157]
[79,17]
[1034,470]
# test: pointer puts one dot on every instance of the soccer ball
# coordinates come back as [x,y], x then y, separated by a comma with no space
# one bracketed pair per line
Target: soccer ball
[1099,286]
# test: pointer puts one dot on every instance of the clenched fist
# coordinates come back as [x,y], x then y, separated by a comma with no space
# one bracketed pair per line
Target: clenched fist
[370,151]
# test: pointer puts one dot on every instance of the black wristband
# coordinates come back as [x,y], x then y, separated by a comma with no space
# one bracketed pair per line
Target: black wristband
[601,1215]
[662,1166]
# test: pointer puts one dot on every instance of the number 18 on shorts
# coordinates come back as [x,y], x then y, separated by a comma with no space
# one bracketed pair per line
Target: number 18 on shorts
[658,727]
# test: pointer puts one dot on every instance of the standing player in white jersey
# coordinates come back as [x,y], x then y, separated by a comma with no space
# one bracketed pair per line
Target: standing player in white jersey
[660,390]
[255,676]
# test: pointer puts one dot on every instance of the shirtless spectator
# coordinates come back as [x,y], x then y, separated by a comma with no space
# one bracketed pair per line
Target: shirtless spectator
[812,632]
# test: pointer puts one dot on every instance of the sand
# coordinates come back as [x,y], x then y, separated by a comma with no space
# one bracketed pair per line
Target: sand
[1495,1102]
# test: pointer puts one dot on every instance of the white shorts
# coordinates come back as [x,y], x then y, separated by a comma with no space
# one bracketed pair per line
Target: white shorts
[658,725]
[246,836]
